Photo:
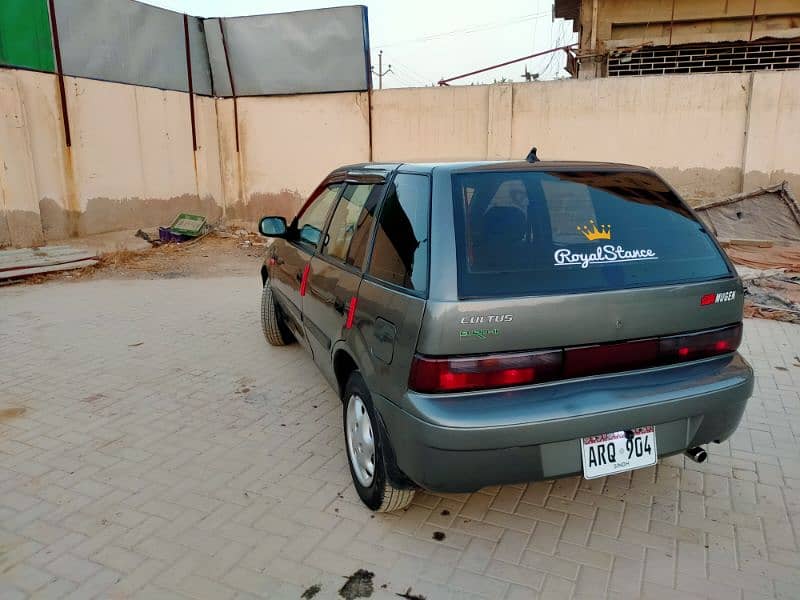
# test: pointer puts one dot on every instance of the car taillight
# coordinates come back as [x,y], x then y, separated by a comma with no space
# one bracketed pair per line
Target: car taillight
[476,373]
[606,358]
[693,346]
[431,375]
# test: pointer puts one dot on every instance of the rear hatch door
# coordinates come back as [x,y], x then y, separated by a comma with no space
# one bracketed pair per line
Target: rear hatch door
[566,257]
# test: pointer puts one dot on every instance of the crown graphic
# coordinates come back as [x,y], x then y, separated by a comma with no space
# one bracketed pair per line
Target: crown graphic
[593,233]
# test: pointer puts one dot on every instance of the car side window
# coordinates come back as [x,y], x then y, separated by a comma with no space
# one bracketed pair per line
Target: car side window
[311,222]
[351,223]
[400,253]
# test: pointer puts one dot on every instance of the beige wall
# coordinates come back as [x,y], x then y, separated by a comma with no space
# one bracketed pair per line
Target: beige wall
[20,222]
[773,139]
[688,128]
[426,124]
[132,159]
[131,162]
[287,144]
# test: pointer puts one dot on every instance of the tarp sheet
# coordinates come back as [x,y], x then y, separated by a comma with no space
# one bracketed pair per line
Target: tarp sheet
[323,50]
[774,257]
[25,39]
[765,214]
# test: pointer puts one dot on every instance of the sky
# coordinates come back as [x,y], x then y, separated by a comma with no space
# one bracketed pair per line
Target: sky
[427,40]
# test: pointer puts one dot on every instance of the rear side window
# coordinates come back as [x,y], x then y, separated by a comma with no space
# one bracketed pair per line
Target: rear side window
[351,223]
[400,253]
[533,233]
[311,222]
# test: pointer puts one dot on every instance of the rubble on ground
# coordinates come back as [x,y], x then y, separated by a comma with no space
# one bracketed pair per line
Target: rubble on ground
[760,231]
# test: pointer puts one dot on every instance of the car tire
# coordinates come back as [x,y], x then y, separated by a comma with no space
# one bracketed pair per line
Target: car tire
[272,324]
[364,445]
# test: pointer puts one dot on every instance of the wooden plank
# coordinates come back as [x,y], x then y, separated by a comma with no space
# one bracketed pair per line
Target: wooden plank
[46,269]
[24,251]
[14,260]
[20,260]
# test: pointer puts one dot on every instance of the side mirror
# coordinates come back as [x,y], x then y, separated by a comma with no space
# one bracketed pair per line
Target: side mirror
[272,226]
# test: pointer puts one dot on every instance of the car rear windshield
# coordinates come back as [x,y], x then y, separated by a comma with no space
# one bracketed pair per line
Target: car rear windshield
[550,232]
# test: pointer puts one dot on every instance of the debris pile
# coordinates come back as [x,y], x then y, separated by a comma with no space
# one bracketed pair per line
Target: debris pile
[244,238]
[760,231]
[771,294]
[185,227]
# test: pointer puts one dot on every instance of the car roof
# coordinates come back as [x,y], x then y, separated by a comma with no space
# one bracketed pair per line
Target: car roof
[488,165]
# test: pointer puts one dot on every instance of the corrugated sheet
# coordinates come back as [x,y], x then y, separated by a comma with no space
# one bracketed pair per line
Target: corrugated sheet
[124,41]
[310,51]
[25,39]
[216,58]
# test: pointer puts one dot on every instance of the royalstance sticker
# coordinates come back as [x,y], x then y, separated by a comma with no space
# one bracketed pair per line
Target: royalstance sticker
[609,253]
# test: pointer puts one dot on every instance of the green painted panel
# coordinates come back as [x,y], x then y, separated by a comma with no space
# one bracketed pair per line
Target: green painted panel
[25,39]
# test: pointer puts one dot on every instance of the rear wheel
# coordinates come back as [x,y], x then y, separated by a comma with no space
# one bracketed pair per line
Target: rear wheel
[365,451]
[272,321]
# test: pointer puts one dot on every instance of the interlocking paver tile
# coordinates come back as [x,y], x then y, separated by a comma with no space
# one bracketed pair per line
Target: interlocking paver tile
[204,463]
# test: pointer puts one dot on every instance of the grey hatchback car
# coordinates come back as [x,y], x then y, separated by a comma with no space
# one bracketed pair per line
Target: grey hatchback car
[496,322]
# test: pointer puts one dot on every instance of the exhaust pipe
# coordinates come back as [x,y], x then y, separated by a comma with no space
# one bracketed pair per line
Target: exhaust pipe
[697,454]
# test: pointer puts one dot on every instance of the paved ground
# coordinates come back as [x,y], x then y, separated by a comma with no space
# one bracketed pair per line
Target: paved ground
[152,445]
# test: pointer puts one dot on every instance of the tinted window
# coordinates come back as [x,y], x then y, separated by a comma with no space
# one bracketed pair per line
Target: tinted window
[311,222]
[400,254]
[351,223]
[524,233]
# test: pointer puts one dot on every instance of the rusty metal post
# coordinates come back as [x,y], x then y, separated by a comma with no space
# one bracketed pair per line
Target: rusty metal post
[752,20]
[60,74]
[230,78]
[189,73]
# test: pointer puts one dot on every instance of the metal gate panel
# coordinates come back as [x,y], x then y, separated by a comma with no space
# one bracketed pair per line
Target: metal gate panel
[25,39]
[323,50]
[123,41]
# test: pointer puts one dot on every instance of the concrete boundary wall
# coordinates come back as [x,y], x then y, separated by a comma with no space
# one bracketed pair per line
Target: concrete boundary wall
[287,144]
[131,163]
[708,135]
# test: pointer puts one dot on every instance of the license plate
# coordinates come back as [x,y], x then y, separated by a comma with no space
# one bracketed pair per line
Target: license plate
[610,453]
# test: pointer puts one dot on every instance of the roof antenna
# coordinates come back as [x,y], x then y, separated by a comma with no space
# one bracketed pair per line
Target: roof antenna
[532,158]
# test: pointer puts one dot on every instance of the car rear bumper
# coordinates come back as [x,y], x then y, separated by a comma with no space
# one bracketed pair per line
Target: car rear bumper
[462,442]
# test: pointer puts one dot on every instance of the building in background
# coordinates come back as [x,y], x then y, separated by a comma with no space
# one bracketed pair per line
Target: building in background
[655,37]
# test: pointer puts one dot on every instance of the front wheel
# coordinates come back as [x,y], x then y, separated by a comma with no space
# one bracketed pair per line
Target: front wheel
[365,451]
[272,324]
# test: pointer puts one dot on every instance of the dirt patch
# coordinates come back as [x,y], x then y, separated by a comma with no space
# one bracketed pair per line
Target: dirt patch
[7,414]
[311,591]
[215,255]
[358,585]
[438,535]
